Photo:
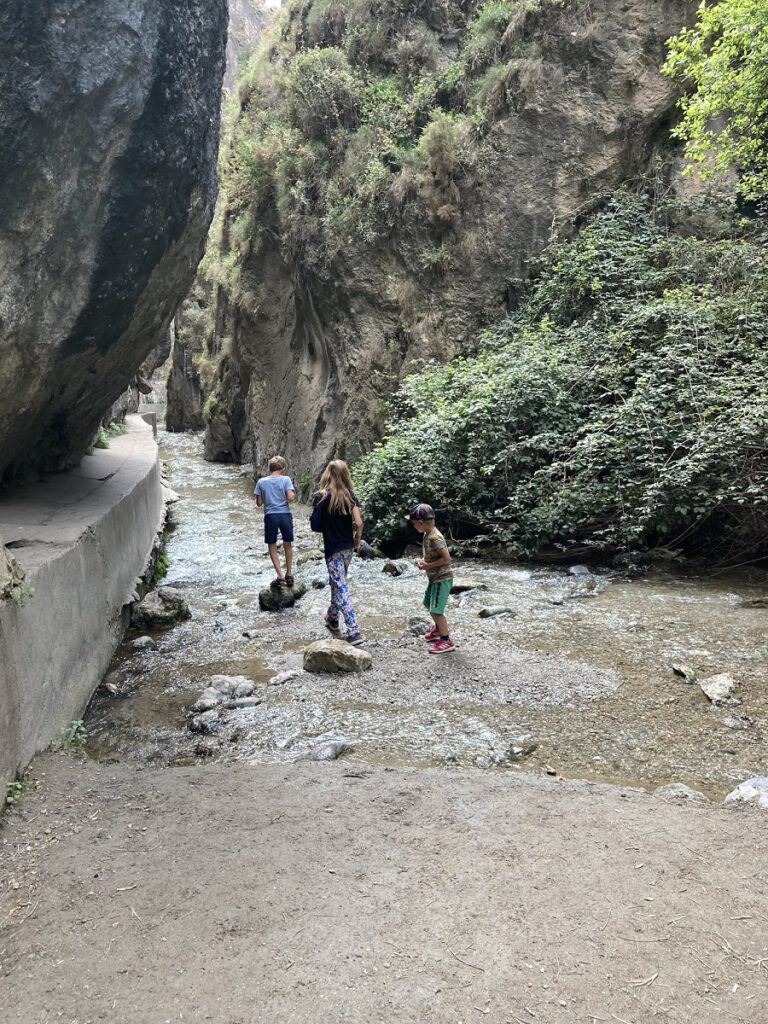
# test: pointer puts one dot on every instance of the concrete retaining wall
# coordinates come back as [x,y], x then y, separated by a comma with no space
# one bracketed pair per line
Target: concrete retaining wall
[82,538]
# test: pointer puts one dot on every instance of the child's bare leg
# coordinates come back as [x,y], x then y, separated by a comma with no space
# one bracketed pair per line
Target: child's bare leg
[441,622]
[288,549]
[275,559]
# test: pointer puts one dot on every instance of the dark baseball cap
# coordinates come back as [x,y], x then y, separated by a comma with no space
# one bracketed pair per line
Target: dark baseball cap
[421,512]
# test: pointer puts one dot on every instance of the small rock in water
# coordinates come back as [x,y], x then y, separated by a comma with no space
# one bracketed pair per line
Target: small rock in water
[284,677]
[335,656]
[718,688]
[207,700]
[462,586]
[753,791]
[754,602]
[318,583]
[232,686]
[330,751]
[418,626]
[366,551]
[580,570]
[685,672]
[245,702]
[393,569]
[143,643]
[677,791]
[207,722]
[521,746]
[494,610]
[274,599]
[162,607]
[208,746]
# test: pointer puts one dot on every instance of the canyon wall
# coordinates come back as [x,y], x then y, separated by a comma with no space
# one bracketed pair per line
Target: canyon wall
[311,350]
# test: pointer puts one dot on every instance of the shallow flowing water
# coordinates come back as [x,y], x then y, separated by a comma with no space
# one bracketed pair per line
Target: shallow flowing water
[579,667]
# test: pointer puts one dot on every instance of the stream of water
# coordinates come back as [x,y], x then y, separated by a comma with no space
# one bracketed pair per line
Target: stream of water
[578,670]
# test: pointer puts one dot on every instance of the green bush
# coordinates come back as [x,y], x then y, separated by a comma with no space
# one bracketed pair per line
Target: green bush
[625,405]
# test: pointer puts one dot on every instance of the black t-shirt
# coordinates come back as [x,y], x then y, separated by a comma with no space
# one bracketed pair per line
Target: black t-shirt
[338,528]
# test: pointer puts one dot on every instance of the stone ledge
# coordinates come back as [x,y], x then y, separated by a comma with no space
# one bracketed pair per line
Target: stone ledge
[82,538]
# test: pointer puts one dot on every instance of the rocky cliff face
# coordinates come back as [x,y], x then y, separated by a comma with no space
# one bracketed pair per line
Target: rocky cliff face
[109,123]
[316,351]
[246,20]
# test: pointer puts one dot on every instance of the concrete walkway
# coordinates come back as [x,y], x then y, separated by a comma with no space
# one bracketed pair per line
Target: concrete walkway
[82,538]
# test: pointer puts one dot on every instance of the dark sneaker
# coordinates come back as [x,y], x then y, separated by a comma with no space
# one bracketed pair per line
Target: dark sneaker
[442,647]
[432,634]
[288,581]
[279,582]
[356,640]
[331,625]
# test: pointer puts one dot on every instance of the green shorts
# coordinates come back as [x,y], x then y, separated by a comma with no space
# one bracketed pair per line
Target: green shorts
[436,596]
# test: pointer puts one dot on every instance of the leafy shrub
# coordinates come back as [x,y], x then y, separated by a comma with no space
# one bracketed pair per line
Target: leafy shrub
[625,404]
[323,92]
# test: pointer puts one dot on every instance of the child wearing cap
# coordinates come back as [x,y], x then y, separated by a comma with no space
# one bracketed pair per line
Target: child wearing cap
[436,563]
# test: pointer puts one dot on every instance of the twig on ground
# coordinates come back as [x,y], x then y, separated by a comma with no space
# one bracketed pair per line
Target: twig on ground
[136,916]
[126,888]
[468,964]
[644,981]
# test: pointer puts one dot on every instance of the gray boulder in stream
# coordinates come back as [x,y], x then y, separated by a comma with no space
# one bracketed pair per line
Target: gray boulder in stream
[162,607]
[335,656]
[110,124]
[274,599]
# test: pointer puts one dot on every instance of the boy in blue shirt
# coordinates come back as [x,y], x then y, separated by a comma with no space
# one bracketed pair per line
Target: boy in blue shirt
[274,492]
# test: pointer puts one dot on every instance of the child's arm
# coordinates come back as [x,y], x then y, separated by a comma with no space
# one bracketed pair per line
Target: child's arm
[257,496]
[290,493]
[357,519]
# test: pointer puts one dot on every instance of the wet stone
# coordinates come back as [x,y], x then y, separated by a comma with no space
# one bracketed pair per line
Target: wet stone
[207,722]
[462,586]
[244,702]
[208,746]
[520,747]
[335,656]
[366,551]
[330,751]
[677,791]
[143,643]
[207,700]
[754,602]
[284,677]
[493,610]
[318,584]
[274,599]
[418,626]
[162,607]
[393,569]
[233,686]
[685,672]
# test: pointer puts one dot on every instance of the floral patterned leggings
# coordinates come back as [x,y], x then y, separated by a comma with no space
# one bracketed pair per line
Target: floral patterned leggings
[341,603]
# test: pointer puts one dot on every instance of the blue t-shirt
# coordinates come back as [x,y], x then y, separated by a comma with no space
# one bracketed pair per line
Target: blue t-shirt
[273,491]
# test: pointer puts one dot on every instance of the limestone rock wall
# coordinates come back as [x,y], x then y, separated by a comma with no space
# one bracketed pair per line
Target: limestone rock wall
[109,121]
[314,359]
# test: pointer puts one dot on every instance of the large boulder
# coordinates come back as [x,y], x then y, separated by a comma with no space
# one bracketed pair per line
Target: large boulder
[335,656]
[160,608]
[274,599]
[110,124]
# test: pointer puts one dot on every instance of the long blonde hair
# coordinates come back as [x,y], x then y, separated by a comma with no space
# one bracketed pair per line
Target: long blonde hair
[337,480]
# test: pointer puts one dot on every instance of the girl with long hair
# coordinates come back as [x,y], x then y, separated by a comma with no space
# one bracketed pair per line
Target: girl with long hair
[336,514]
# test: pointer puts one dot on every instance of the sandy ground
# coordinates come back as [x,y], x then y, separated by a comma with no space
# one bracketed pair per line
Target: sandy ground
[337,894]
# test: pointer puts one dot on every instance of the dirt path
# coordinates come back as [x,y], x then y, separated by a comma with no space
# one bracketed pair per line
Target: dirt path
[328,893]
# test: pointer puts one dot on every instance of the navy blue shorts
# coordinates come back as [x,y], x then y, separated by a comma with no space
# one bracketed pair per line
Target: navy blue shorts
[282,521]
